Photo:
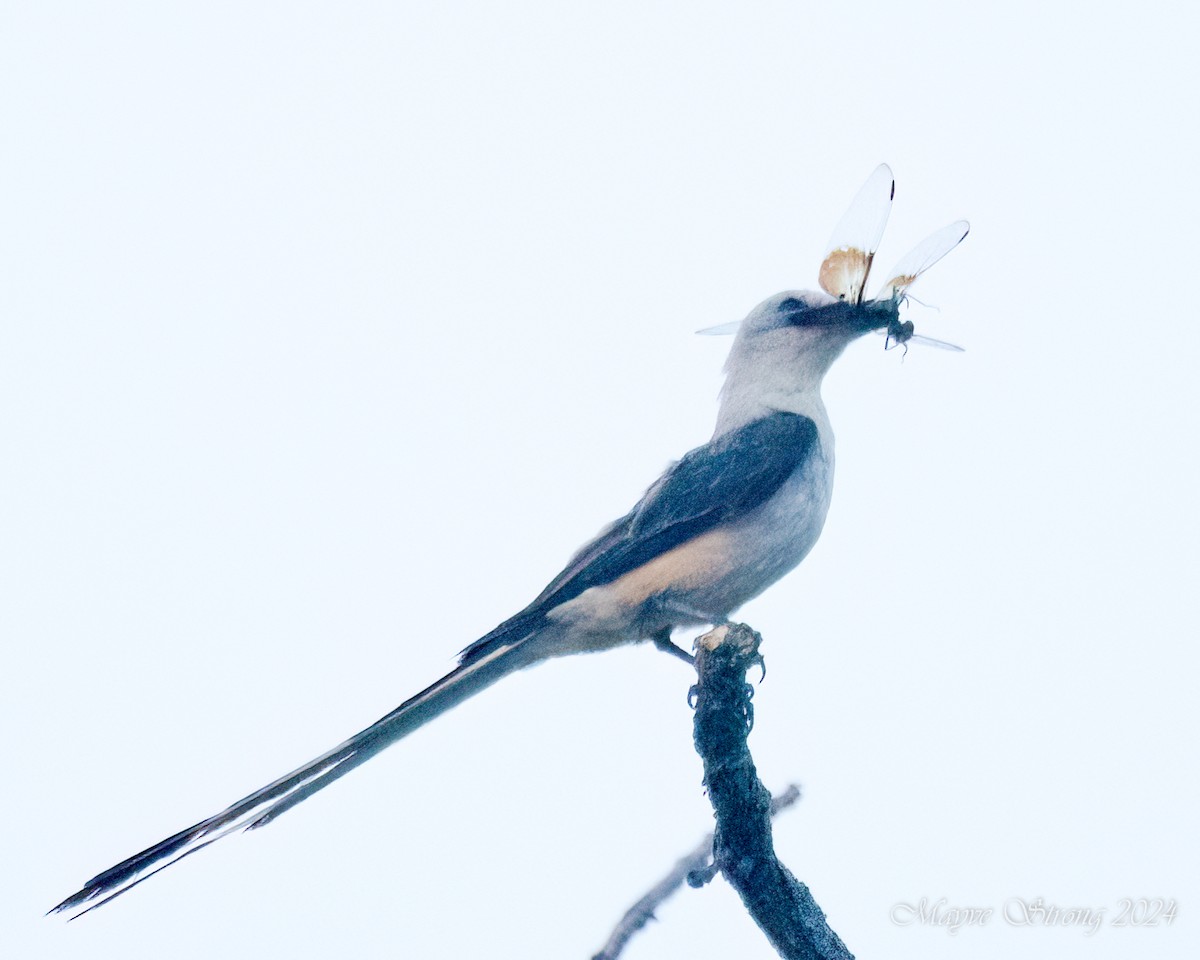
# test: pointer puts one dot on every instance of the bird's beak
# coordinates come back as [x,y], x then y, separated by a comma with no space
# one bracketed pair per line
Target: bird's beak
[859,318]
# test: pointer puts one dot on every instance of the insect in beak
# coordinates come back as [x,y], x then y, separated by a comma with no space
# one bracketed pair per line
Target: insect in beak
[898,335]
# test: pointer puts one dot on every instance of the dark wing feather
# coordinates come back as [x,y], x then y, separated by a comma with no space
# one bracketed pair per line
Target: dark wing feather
[713,484]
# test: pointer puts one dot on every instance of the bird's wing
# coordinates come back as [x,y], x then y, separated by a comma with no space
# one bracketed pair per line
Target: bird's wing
[712,485]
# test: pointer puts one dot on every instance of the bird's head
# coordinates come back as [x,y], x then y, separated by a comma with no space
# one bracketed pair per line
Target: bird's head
[787,344]
[804,331]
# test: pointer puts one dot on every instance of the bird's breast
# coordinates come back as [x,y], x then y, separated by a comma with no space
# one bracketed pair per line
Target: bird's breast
[773,539]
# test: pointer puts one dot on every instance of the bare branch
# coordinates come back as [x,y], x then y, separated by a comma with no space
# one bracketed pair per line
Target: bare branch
[743,850]
[695,863]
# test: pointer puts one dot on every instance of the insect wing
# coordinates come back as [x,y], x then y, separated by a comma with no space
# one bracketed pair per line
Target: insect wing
[940,344]
[721,329]
[928,252]
[901,337]
[855,239]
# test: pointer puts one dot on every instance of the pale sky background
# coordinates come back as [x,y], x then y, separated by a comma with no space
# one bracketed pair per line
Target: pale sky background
[329,331]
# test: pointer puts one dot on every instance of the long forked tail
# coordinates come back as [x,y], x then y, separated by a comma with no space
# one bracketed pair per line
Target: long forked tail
[264,805]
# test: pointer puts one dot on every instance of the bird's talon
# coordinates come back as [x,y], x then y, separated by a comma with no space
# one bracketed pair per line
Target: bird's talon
[698,878]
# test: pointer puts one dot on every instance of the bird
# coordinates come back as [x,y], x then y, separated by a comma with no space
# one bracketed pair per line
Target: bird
[720,525]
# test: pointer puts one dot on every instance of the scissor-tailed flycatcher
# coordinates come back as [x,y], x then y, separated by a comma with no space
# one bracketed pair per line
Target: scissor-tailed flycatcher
[715,530]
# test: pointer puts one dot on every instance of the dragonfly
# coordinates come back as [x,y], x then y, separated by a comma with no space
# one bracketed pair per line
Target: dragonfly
[850,254]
